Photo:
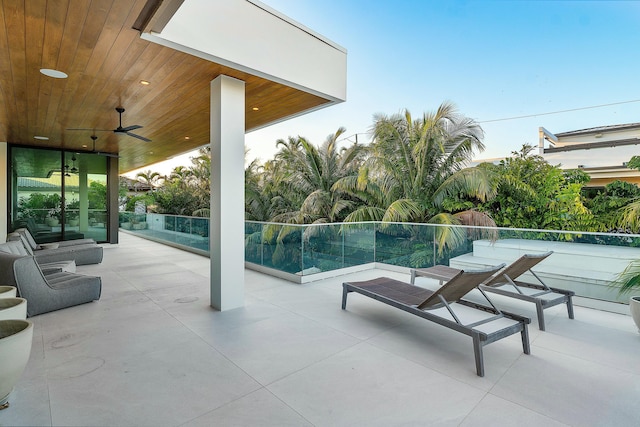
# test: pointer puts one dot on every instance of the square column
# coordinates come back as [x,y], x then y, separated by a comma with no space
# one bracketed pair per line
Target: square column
[4,165]
[226,233]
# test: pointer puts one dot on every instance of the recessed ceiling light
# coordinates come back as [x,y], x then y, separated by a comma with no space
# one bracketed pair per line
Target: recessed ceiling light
[150,152]
[144,82]
[53,73]
[42,138]
[255,108]
[84,145]
[186,137]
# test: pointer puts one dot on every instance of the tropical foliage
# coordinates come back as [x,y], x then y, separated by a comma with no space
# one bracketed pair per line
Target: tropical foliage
[414,170]
[533,194]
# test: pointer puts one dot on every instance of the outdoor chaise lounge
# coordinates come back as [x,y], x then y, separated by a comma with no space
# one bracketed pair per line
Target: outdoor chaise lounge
[446,307]
[82,254]
[43,234]
[59,243]
[506,283]
[46,293]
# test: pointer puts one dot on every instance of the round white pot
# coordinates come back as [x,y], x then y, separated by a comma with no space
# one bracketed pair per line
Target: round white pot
[13,308]
[7,291]
[634,307]
[16,337]
[51,222]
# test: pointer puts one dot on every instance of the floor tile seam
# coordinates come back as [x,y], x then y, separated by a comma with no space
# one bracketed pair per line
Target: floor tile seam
[214,348]
[607,365]
[217,408]
[312,364]
[317,322]
[520,405]
[431,368]
[411,360]
[262,387]
[266,388]
[543,414]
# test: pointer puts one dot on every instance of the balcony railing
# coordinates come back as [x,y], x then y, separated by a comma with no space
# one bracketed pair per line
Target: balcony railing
[583,261]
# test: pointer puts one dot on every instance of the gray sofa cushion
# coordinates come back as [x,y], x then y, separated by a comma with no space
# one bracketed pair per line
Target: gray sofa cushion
[14,247]
[17,248]
[44,294]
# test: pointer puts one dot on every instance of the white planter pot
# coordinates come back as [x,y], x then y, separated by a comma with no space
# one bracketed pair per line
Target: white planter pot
[51,222]
[16,337]
[13,308]
[634,307]
[7,291]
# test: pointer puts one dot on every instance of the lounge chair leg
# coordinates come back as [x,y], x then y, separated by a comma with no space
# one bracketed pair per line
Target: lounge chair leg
[524,334]
[344,296]
[540,311]
[477,351]
[570,306]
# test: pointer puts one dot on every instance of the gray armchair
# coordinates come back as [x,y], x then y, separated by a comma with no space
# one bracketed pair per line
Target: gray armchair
[46,293]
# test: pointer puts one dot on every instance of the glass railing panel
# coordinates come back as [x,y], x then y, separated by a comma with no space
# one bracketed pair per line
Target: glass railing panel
[359,243]
[582,261]
[323,248]
[405,245]
[253,246]
[283,247]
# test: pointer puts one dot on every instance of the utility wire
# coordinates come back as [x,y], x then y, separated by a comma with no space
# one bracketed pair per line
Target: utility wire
[559,111]
[519,117]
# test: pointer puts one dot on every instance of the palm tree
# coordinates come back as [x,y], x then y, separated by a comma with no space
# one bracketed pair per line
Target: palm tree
[149,178]
[311,173]
[417,165]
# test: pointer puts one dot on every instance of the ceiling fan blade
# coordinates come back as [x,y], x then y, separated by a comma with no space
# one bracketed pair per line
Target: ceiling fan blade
[100,153]
[91,129]
[128,128]
[138,136]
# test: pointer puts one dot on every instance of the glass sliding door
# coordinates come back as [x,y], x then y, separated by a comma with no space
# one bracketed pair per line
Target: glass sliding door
[58,195]
[36,178]
[87,198]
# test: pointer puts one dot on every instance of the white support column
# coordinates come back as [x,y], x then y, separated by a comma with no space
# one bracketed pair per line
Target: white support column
[4,164]
[226,237]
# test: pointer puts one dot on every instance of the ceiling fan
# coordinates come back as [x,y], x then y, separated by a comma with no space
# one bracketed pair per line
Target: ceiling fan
[100,153]
[126,130]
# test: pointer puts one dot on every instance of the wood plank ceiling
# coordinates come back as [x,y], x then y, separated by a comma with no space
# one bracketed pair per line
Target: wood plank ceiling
[105,58]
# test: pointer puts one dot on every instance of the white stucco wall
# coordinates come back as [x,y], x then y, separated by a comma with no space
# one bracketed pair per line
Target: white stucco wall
[3,191]
[252,37]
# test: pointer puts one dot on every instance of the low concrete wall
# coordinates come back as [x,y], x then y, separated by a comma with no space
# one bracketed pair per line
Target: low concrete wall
[586,269]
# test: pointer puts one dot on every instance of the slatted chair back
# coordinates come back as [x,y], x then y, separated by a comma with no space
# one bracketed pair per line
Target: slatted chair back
[458,286]
[518,268]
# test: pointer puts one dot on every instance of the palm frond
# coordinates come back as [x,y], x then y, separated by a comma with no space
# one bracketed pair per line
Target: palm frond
[402,210]
[629,279]
[447,237]
[630,216]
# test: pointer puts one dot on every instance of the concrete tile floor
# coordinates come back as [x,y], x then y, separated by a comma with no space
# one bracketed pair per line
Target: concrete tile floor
[152,352]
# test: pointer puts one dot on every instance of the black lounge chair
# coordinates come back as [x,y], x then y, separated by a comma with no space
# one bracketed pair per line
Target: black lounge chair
[505,283]
[439,306]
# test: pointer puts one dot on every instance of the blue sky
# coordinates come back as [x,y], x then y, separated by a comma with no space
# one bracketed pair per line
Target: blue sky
[492,59]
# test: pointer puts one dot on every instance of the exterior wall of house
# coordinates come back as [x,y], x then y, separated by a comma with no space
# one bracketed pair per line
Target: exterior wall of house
[3,191]
[265,43]
[601,152]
